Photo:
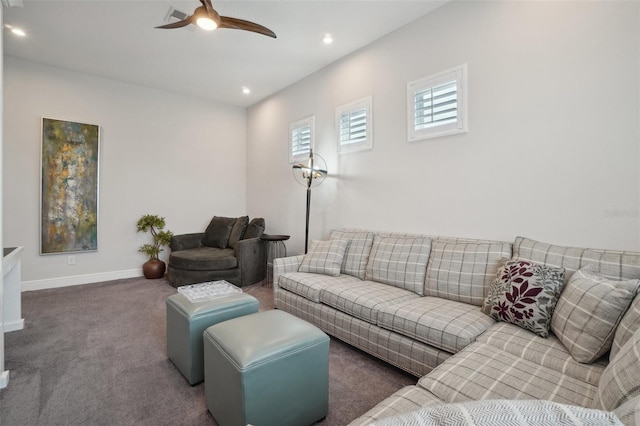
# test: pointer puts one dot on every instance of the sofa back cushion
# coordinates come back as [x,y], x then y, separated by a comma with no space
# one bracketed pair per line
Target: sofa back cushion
[218,232]
[238,230]
[356,255]
[612,264]
[400,262]
[255,229]
[620,381]
[463,271]
[628,325]
[588,312]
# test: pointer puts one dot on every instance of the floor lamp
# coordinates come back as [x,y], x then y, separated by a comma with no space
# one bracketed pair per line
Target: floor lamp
[310,173]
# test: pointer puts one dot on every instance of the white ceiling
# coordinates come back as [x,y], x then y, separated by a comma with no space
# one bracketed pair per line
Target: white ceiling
[117,40]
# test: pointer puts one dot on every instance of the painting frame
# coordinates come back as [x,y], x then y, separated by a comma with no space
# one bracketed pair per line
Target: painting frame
[69,186]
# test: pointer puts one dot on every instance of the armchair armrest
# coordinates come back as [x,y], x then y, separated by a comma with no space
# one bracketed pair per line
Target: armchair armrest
[252,260]
[282,265]
[185,241]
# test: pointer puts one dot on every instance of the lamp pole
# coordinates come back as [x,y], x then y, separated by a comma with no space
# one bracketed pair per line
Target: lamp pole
[309,182]
[308,174]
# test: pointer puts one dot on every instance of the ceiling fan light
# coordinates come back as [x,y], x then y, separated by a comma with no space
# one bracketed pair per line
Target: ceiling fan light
[206,23]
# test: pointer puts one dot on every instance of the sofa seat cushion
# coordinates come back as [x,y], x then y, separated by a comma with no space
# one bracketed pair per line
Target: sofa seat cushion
[409,398]
[548,352]
[445,324]
[204,259]
[482,372]
[309,285]
[364,299]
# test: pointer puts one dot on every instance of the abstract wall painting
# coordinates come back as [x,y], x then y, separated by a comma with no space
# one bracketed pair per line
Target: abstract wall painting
[69,193]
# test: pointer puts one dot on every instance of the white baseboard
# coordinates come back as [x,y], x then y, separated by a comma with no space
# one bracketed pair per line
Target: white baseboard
[4,379]
[14,325]
[79,279]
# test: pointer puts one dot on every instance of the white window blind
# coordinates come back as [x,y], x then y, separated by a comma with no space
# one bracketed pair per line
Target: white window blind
[353,123]
[436,105]
[300,138]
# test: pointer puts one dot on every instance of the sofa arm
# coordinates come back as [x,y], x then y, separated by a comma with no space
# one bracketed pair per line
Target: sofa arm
[282,265]
[185,241]
[252,260]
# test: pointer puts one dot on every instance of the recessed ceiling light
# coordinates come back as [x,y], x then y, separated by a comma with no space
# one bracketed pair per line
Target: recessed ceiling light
[327,39]
[246,90]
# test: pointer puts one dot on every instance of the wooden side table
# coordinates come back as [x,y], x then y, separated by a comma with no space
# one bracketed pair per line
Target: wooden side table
[275,248]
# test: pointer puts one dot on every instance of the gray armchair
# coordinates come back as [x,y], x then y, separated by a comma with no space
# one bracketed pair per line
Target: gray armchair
[230,249]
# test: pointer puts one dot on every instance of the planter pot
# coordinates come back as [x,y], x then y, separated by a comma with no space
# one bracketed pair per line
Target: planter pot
[153,269]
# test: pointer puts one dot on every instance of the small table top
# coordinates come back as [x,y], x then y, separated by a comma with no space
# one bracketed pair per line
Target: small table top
[270,237]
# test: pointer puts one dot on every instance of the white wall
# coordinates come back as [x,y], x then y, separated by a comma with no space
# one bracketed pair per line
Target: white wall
[552,151]
[161,153]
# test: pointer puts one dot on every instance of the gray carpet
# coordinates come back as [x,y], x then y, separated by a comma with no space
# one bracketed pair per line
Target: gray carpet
[95,355]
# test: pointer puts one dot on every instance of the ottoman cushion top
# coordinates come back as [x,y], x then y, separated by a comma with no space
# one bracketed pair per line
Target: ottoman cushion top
[253,339]
[220,304]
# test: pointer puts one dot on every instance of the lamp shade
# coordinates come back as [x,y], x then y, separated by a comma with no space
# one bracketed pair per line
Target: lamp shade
[311,172]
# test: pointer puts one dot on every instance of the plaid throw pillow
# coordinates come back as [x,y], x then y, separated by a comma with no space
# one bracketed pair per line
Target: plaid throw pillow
[525,294]
[324,257]
[357,253]
[588,313]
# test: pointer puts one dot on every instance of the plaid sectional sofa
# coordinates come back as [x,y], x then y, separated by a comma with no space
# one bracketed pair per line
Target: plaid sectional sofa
[415,301]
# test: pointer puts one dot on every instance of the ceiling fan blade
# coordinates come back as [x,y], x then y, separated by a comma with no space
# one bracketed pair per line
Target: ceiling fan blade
[178,24]
[207,5]
[211,12]
[240,24]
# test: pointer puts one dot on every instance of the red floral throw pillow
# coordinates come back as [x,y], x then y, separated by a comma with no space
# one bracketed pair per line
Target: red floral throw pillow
[525,294]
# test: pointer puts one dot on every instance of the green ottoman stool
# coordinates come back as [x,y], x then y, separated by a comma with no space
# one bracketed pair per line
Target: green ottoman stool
[186,321]
[265,369]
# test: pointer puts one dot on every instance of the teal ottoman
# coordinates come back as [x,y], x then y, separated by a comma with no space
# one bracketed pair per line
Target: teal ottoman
[186,321]
[269,368]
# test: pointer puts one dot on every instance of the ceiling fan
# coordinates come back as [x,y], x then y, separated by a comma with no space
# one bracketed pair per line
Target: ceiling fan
[207,18]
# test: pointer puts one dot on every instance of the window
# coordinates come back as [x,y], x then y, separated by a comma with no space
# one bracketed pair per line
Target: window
[437,105]
[353,123]
[301,139]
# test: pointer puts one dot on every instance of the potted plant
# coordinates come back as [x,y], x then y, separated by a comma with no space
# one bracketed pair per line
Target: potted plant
[154,267]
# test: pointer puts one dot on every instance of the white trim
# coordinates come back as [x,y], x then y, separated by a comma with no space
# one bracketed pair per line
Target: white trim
[14,325]
[79,279]
[4,379]
[459,74]
[367,105]
[304,122]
